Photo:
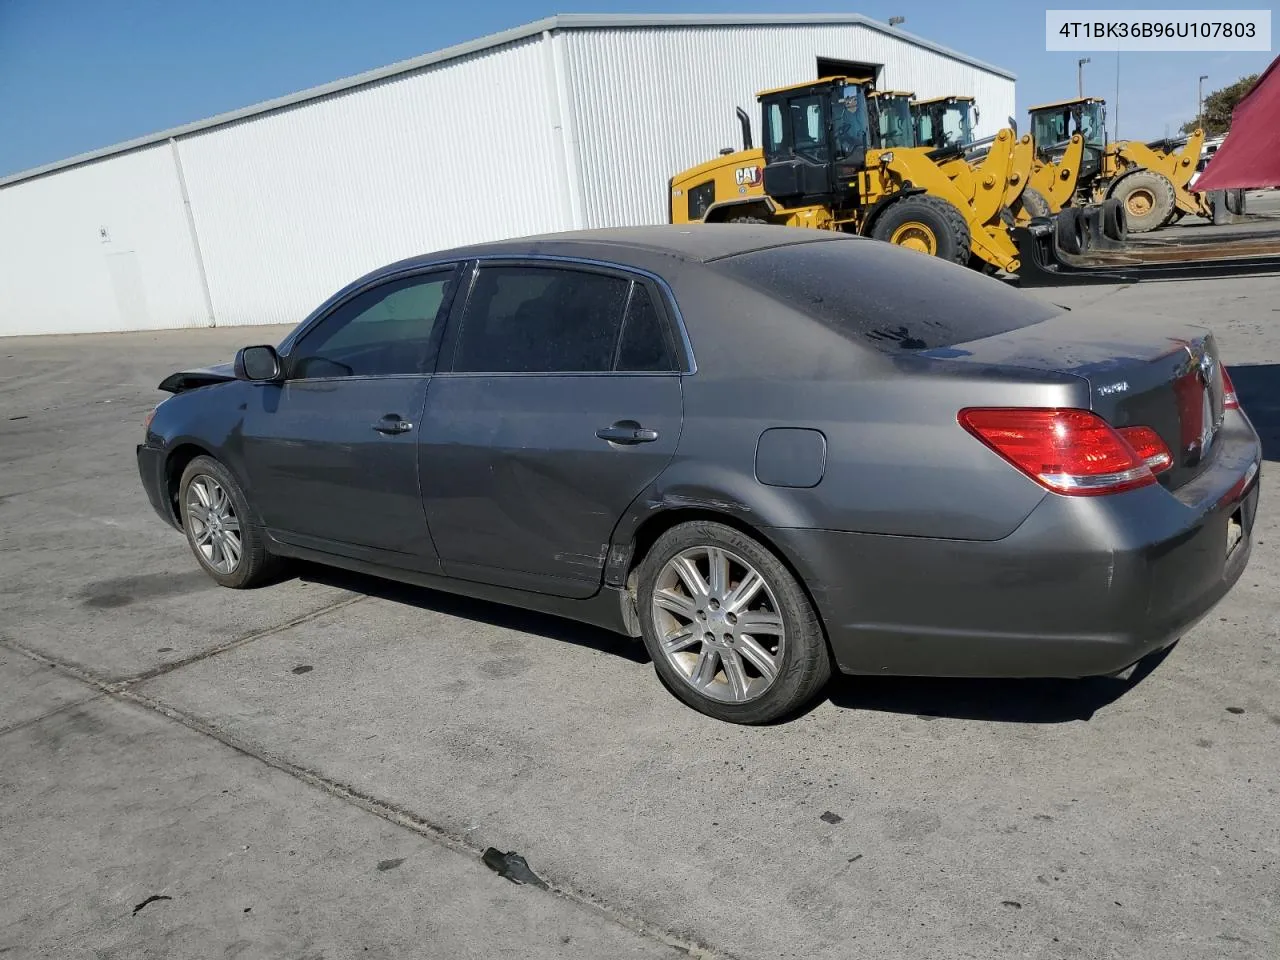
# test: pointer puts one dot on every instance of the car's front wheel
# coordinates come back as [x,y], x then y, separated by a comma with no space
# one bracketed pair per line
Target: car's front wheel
[226,540]
[728,626]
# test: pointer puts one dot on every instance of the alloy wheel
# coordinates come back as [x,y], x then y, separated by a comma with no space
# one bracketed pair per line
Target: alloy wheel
[718,624]
[215,528]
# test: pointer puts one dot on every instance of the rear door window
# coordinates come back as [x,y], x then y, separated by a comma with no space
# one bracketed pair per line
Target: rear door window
[536,319]
[644,346]
[885,297]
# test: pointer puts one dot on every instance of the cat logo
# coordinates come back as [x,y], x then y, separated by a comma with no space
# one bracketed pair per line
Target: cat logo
[747,176]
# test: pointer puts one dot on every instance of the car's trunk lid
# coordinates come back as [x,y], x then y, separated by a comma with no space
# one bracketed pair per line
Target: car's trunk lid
[1170,381]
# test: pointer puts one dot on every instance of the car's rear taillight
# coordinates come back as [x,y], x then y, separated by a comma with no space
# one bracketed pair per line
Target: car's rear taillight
[1069,451]
[1148,446]
[1229,399]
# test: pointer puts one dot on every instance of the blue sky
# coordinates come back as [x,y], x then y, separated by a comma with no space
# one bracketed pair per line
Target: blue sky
[78,74]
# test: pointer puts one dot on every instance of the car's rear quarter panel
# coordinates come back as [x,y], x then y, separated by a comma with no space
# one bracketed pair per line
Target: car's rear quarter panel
[897,460]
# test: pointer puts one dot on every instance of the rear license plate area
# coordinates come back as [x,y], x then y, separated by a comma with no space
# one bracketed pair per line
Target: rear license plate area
[1235,531]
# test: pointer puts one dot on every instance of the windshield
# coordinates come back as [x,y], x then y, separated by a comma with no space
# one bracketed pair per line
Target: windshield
[944,124]
[957,126]
[1092,123]
[894,115]
[1050,127]
[795,127]
[1055,127]
[849,119]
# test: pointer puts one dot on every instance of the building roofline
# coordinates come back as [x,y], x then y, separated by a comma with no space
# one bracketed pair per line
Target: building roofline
[564,21]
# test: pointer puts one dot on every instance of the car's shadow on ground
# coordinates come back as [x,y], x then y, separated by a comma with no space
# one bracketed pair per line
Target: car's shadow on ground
[1258,387]
[1006,701]
[482,611]
[1001,701]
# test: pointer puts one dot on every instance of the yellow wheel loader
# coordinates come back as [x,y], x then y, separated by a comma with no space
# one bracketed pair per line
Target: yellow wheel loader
[1076,165]
[947,123]
[821,166]
[944,121]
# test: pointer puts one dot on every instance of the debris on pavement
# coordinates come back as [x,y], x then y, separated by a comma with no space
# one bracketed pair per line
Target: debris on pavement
[385,865]
[151,899]
[830,817]
[303,668]
[512,866]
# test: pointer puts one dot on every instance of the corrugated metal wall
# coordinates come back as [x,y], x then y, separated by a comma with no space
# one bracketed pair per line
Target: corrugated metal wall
[648,102]
[97,248]
[516,139]
[292,205]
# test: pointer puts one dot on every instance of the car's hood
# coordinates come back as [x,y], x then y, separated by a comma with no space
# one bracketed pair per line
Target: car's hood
[199,377]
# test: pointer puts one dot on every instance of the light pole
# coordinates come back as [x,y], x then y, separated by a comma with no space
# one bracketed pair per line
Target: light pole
[894,21]
[1115,132]
[1200,99]
[1080,76]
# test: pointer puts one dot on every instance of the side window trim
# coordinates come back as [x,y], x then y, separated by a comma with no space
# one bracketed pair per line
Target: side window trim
[622,330]
[659,291]
[446,306]
[467,273]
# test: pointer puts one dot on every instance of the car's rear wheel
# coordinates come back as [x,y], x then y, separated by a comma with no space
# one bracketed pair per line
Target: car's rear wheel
[728,626]
[224,536]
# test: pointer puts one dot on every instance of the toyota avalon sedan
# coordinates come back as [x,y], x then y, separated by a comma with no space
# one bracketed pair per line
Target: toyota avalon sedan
[769,453]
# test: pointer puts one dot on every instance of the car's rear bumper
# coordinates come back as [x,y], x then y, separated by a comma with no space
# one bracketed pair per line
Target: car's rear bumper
[1086,585]
[151,470]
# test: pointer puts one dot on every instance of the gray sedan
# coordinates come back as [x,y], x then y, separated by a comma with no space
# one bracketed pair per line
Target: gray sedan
[769,453]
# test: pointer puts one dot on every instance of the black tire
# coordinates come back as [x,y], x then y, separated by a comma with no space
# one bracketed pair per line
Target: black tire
[942,222]
[1070,230]
[1114,223]
[805,661]
[1147,198]
[255,564]
[1034,203]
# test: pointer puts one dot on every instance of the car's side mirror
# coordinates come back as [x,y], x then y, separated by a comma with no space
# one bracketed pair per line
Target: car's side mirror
[257,363]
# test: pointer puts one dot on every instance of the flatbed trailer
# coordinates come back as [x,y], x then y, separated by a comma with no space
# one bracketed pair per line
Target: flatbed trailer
[1043,264]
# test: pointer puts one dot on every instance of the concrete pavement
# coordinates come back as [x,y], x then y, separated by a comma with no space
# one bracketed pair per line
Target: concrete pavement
[356,723]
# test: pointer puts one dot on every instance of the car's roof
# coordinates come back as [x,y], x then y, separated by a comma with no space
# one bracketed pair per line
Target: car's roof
[699,243]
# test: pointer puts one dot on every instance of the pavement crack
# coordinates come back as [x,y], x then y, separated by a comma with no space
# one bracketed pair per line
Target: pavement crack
[164,668]
[23,724]
[124,691]
[86,675]
[407,819]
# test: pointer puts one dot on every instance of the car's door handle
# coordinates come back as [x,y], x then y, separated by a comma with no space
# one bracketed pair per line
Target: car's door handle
[392,423]
[627,431]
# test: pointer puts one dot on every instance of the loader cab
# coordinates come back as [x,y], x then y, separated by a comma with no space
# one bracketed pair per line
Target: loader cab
[1053,124]
[816,137]
[890,114]
[944,122]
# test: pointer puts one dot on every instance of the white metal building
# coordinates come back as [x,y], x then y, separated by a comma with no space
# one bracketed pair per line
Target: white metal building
[256,216]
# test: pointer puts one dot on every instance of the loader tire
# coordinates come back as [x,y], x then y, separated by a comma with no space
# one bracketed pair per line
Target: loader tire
[926,224]
[1034,203]
[1071,231]
[1147,198]
[1114,224]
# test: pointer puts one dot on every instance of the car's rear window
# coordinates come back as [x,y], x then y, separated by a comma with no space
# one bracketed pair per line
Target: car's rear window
[887,297]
